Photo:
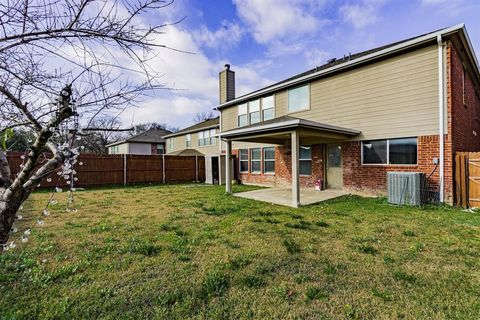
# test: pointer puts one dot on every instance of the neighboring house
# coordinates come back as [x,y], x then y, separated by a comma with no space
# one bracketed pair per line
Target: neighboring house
[200,140]
[150,142]
[349,122]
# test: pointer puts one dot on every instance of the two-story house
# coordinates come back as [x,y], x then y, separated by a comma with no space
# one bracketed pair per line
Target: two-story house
[407,106]
[200,140]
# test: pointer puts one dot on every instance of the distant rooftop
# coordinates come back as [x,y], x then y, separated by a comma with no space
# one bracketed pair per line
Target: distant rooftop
[207,124]
[149,136]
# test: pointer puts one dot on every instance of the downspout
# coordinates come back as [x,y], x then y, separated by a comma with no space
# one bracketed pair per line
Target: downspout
[441,107]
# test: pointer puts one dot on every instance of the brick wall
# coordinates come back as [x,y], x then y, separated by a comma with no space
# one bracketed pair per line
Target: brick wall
[283,170]
[373,178]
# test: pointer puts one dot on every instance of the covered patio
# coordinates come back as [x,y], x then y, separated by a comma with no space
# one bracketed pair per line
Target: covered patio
[283,196]
[284,131]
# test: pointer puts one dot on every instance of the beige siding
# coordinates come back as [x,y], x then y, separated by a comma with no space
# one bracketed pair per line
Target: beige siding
[123,148]
[179,143]
[397,97]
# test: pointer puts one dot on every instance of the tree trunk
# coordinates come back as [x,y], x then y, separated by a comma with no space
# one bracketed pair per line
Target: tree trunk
[8,208]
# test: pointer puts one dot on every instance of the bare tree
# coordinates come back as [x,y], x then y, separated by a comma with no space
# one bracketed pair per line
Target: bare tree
[203,116]
[141,127]
[65,62]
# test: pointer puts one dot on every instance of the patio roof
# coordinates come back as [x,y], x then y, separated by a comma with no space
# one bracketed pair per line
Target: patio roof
[276,131]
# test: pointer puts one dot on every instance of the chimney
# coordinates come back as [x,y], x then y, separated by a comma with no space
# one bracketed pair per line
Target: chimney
[227,84]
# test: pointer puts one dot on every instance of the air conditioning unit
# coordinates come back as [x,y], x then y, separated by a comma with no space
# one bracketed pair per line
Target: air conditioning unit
[405,188]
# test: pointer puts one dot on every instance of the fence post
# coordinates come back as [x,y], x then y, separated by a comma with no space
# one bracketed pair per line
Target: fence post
[196,168]
[125,170]
[163,168]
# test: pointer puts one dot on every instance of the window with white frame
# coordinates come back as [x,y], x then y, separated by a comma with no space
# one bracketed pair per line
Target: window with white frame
[206,137]
[170,144]
[243,159]
[269,160]
[212,136]
[242,119]
[305,161]
[268,104]
[390,151]
[299,98]
[254,111]
[255,160]
[114,149]
[188,140]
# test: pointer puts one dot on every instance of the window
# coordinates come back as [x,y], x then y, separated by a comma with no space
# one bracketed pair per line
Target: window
[391,151]
[299,98]
[267,108]
[160,148]
[254,111]
[243,158]
[212,136]
[206,137]
[114,149]
[305,160]
[255,160]
[242,115]
[402,151]
[170,144]
[375,152]
[188,140]
[269,160]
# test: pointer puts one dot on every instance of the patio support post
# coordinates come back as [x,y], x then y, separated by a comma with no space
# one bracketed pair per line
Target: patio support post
[228,169]
[295,169]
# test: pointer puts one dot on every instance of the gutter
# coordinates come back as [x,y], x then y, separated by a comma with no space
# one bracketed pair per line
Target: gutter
[385,52]
[441,107]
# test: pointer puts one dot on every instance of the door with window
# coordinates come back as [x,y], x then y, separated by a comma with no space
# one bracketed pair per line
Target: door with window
[334,167]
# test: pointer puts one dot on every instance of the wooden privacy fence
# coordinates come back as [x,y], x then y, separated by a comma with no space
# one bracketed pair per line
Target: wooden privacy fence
[467,179]
[98,170]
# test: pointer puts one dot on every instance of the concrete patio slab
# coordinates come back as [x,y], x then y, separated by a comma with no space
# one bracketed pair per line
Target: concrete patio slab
[283,196]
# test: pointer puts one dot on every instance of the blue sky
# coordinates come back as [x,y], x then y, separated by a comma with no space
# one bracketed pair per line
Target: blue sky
[269,40]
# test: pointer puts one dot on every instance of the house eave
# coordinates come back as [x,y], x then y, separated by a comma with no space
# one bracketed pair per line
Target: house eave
[432,37]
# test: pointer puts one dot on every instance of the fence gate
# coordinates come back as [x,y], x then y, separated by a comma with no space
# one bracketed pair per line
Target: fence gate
[467,179]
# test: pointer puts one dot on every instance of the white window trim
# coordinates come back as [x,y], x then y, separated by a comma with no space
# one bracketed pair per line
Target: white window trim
[309,98]
[240,161]
[261,108]
[171,144]
[304,159]
[268,160]
[388,155]
[259,161]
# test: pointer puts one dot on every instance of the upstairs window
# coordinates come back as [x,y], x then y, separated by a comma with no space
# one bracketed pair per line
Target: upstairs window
[212,136]
[243,159]
[206,137]
[242,119]
[188,140]
[255,160]
[299,98]
[254,111]
[170,144]
[305,160]
[268,104]
[392,151]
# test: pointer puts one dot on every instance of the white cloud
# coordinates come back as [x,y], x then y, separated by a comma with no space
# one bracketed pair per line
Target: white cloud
[227,36]
[316,57]
[452,7]
[361,14]
[270,20]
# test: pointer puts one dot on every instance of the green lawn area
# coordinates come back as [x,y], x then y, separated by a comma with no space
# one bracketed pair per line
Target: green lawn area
[185,251]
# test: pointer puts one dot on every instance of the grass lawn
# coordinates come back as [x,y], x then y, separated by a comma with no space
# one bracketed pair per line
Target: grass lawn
[183,251]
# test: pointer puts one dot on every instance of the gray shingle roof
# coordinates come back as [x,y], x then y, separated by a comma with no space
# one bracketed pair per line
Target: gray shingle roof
[210,123]
[149,136]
